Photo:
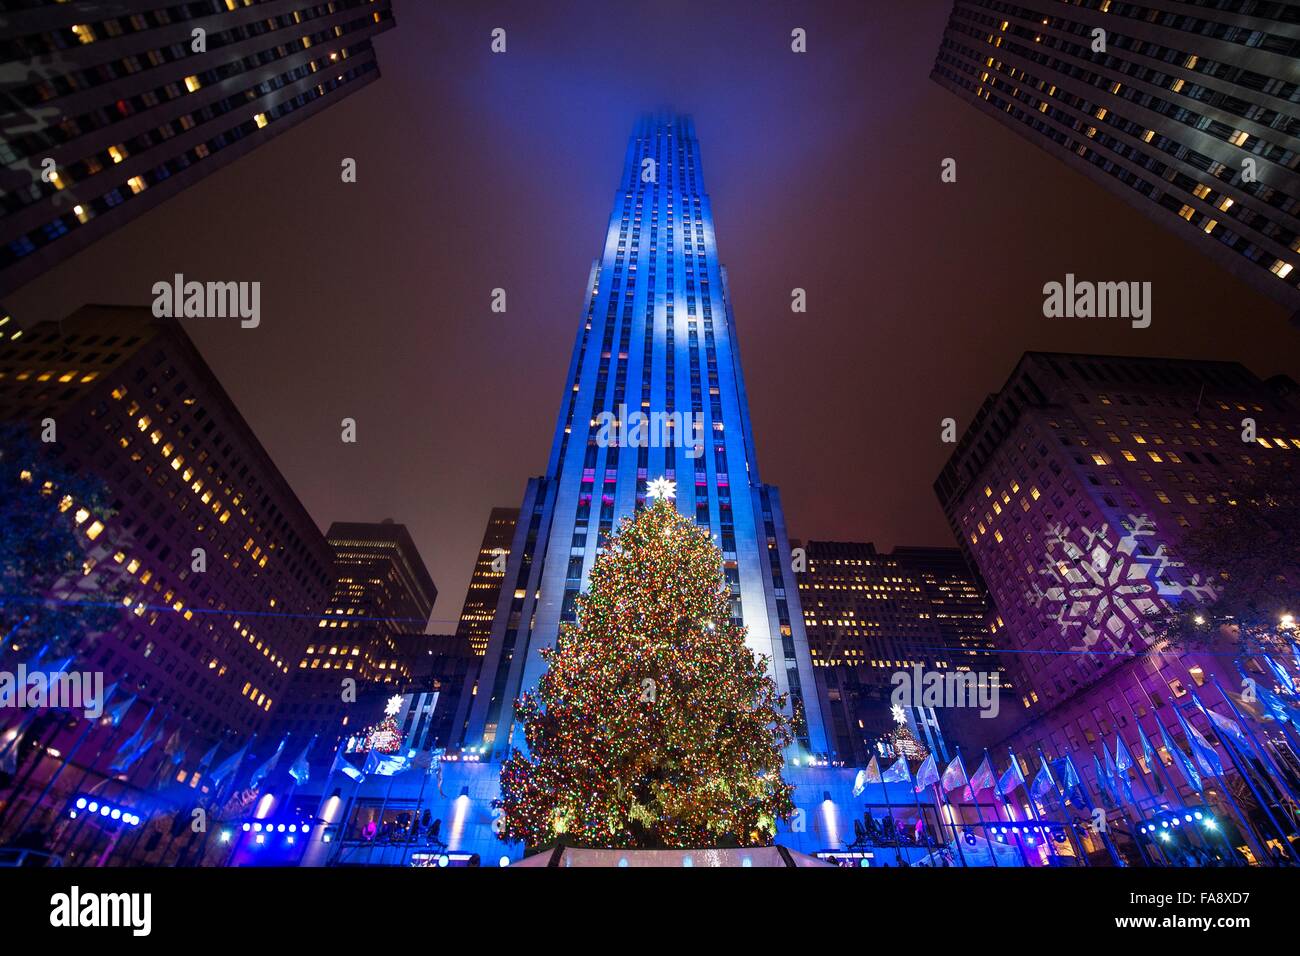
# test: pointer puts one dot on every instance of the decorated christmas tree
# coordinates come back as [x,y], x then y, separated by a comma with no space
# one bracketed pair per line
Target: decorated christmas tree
[384,737]
[901,741]
[654,725]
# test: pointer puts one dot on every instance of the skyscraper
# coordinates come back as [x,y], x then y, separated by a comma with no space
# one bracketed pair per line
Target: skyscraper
[1189,111]
[1071,492]
[475,626]
[656,338]
[372,629]
[113,114]
[870,615]
[216,568]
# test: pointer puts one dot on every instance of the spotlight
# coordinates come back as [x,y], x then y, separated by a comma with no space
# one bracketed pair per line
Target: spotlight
[247,827]
[504,861]
[94,807]
[81,803]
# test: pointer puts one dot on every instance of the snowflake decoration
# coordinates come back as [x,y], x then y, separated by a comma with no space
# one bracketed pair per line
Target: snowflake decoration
[897,713]
[1101,590]
[393,706]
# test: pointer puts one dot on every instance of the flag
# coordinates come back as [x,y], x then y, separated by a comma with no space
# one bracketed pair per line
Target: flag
[954,776]
[1123,757]
[984,778]
[385,765]
[118,713]
[1280,673]
[267,765]
[1273,705]
[1117,778]
[1225,725]
[229,766]
[898,773]
[1011,779]
[206,760]
[301,770]
[1042,780]
[134,747]
[1107,795]
[174,748]
[872,771]
[926,774]
[1181,759]
[9,749]
[1150,756]
[107,697]
[1070,781]
[1277,708]
[1207,758]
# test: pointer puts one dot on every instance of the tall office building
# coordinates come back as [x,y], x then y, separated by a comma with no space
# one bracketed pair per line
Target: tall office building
[1071,492]
[656,337]
[115,107]
[870,615]
[1190,111]
[475,626]
[218,569]
[371,631]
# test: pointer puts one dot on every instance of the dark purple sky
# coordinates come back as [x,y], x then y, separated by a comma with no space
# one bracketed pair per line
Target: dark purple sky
[480,171]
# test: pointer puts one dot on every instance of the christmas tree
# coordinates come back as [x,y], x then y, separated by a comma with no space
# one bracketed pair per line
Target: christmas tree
[654,725]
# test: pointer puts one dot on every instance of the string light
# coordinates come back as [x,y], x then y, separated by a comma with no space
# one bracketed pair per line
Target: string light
[654,724]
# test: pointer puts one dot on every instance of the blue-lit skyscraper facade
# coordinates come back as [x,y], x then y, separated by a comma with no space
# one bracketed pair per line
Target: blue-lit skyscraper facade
[657,337]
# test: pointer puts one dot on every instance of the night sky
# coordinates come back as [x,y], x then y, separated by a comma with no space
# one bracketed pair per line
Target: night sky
[479,171]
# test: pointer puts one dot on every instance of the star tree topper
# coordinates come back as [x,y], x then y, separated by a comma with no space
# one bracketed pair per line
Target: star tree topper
[662,488]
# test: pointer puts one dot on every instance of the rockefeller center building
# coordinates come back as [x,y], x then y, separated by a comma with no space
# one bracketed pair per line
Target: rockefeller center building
[1071,492]
[654,390]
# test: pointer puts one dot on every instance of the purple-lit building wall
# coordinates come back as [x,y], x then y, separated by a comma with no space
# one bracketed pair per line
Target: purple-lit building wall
[1070,491]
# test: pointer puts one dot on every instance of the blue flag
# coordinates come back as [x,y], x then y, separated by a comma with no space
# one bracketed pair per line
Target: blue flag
[1123,758]
[301,770]
[926,774]
[267,765]
[1011,779]
[1118,779]
[1283,678]
[1107,797]
[1181,759]
[1225,726]
[206,760]
[118,713]
[134,747]
[1207,758]
[1042,781]
[228,766]
[898,773]
[1150,756]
